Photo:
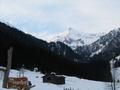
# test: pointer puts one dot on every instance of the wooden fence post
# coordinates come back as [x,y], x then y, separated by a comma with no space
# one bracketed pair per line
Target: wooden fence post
[7,71]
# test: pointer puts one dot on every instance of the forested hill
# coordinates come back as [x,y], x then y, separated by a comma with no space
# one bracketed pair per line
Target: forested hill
[32,52]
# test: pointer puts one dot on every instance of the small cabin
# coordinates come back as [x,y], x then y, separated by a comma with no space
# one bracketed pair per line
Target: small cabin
[55,79]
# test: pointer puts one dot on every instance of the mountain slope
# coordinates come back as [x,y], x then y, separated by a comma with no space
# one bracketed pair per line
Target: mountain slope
[107,47]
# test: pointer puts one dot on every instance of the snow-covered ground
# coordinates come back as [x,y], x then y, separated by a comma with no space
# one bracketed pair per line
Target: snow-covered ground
[71,82]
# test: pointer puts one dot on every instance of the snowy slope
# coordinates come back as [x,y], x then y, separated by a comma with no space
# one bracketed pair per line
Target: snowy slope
[71,82]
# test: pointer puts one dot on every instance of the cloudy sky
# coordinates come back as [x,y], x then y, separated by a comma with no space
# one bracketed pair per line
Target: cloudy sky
[54,16]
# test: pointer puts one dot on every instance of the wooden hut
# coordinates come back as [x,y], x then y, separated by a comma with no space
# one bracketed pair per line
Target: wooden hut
[55,79]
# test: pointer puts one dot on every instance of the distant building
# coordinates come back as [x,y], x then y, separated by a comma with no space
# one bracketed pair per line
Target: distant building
[52,78]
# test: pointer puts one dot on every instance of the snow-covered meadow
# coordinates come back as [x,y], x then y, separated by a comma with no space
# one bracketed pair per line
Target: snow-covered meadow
[70,82]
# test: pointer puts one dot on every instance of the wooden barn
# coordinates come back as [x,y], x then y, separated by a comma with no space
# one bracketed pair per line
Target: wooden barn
[55,79]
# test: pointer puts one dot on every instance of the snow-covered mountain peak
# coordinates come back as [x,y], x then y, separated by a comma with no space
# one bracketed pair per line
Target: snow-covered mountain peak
[75,38]
[71,37]
[70,32]
[67,32]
